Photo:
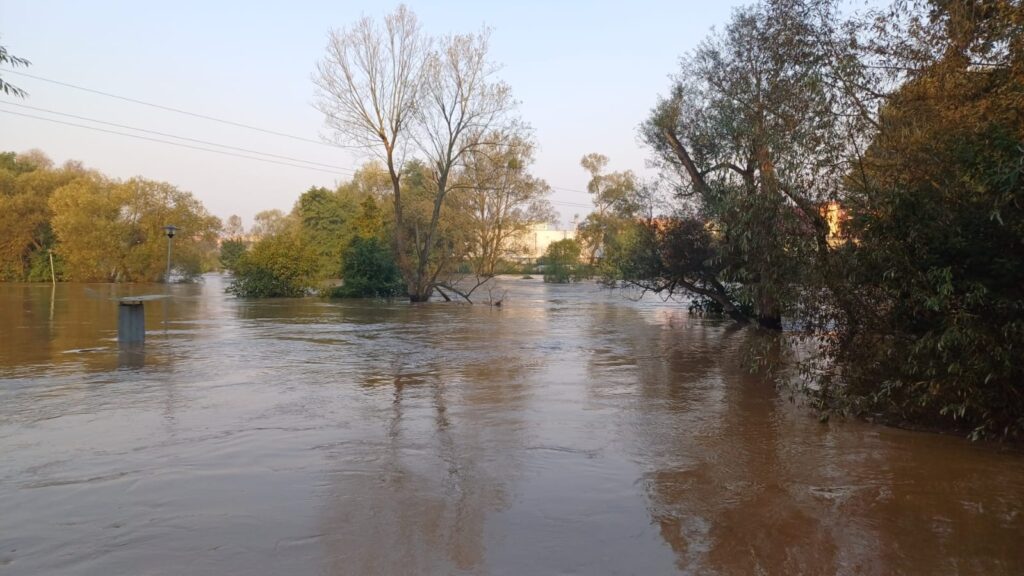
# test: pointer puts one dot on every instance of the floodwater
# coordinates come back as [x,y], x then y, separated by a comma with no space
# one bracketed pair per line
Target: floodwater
[571,431]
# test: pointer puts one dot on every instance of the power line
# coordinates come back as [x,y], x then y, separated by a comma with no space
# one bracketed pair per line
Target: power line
[182,145]
[175,110]
[202,149]
[207,142]
[196,115]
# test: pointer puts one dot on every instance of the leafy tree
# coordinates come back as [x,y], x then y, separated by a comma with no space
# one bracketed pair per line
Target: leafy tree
[927,321]
[616,205]
[369,223]
[268,223]
[562,261]
[277,266]
[370,271]
[231,252]
[499,201]
[26,184]
[759,133]
[326,220]
[679,253]
[112,231]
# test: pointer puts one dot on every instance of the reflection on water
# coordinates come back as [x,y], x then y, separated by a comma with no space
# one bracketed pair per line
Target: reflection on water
[571,431]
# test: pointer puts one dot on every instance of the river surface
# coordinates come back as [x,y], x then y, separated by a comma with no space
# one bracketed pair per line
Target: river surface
[571,431]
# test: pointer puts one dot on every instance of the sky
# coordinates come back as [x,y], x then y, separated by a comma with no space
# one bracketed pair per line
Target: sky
[586,75]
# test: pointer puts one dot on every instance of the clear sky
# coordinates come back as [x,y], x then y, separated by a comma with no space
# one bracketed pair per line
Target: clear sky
[586,74]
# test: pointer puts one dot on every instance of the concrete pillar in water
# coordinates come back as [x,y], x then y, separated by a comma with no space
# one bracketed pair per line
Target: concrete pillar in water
[131,321]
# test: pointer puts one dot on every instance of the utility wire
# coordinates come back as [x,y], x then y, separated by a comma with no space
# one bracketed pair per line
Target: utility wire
[205,117]
[180,144]
[175,110]
[207,142]
[200,148]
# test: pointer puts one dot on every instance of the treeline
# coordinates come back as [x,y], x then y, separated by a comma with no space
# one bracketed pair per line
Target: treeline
[349,233]
[858,182]
[97,229]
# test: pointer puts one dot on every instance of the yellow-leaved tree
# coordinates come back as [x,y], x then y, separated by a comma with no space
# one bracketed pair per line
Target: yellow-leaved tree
[112,231]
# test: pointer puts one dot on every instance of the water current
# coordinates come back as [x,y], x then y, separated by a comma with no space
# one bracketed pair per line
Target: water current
[573,430]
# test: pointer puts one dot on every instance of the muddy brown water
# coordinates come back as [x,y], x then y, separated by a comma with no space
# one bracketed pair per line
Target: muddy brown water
[571,431]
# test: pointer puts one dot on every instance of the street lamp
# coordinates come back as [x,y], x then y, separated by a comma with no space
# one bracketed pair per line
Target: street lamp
[170,230]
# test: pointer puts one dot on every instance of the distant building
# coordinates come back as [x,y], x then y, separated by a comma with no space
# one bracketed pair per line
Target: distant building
[535,241]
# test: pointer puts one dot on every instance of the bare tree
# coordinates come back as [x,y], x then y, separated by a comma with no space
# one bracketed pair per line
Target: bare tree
[394,91]
[462,105]
[368,86]
[233,228]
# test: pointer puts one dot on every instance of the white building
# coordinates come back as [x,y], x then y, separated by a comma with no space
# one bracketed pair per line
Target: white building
[536,240]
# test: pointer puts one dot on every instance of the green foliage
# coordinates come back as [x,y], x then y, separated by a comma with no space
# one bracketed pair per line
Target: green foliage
[929,321]
[616,205]
[111,231]
[13,61]
[370,271]
[562,262]
[276,266]
[326,220]
[231,252]
[916,305]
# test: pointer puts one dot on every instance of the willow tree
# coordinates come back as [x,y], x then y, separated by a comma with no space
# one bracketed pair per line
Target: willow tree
[757,134]
[13,61]
[399,95]
[930,322]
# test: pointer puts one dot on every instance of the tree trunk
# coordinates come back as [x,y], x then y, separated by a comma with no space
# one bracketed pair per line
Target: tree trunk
[419,296]
[768,315]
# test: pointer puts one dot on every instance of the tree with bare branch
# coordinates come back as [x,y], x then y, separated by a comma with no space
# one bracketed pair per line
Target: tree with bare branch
[401,95]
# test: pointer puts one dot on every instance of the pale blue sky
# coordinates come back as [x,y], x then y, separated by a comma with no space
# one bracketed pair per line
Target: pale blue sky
[586,74]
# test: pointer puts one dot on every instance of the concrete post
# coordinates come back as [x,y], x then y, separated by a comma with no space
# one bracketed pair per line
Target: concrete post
[131,322]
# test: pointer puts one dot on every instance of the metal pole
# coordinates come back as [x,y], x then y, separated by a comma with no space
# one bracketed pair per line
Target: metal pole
[131,322]
[167,278]
[53,276]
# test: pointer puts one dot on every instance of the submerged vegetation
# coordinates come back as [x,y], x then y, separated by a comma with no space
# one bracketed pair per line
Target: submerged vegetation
[855,183]
[97,229]
[858,181]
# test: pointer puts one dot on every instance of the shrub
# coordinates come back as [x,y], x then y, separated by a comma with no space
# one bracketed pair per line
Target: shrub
[277,266]
[562,262]
[369,271]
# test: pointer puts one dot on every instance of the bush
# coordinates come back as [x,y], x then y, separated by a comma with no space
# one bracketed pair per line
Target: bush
[231,251]
[277,266]
[369,271]
[562,262]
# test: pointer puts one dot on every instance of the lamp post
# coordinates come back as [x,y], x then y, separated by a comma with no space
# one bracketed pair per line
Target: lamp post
[170,230]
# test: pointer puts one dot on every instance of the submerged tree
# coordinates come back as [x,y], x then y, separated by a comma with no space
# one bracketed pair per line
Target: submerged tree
[562,261]
[928,316]
[112,231]
[758,131]
[499,201]
[399,94]
[27,181]
[616,198]
[282,265]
